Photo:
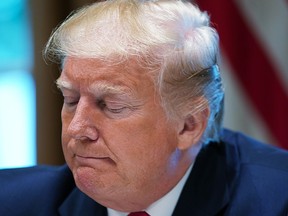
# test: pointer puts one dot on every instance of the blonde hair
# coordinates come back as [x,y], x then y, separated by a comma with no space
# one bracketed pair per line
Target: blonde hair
[171,36]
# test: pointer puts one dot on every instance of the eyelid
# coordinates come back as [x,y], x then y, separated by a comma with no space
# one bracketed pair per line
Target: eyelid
[118,104]
[70,101]
[115,107]
[69,98]
[116,110]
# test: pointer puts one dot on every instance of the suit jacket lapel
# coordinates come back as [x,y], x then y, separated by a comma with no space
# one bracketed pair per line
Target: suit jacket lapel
[209,185]
[77,203]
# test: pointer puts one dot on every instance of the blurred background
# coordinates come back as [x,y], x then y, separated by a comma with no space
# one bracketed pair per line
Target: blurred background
[254,65]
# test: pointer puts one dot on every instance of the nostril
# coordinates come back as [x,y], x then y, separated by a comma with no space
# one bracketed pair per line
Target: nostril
[81,138]
[86,134]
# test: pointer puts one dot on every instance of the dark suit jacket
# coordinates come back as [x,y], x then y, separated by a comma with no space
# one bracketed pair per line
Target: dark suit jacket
[237,177]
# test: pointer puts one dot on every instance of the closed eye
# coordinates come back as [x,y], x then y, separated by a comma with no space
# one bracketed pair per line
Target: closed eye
[69,101]
[112,108]
[116,110]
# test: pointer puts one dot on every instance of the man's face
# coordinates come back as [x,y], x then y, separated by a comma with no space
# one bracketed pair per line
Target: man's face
[116,138]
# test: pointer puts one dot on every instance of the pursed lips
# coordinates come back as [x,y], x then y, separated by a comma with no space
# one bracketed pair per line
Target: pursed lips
[89,157]
[91,160]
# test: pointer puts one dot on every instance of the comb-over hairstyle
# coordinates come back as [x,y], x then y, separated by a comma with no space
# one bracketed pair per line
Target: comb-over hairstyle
[171,38]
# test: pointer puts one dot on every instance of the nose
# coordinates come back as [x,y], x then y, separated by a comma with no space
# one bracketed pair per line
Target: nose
[82,127]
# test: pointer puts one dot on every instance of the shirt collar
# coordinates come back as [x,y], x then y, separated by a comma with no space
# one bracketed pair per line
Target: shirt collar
[163,206]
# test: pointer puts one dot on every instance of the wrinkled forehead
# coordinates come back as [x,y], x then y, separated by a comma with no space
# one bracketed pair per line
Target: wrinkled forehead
[84,67]
[84,72]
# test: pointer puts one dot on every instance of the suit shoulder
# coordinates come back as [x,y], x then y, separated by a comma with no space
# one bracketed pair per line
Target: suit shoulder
[34,187]
[36,177]
[261,176]
[251,152]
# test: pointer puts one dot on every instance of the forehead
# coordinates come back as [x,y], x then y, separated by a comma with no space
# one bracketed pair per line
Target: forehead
[86,73]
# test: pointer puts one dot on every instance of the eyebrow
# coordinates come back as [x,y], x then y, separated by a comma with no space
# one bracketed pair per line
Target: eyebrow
[99,88]
[61,84]
[103,88]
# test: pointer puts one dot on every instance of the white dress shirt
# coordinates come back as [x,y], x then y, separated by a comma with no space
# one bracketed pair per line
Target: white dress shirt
[165,205]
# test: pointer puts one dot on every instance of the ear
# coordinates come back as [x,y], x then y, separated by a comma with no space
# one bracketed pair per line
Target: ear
[192,129]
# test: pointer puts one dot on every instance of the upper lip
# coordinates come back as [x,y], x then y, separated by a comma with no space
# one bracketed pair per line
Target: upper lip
[91,157]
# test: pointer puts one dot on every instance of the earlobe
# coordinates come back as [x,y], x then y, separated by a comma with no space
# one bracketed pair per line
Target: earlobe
[193,127]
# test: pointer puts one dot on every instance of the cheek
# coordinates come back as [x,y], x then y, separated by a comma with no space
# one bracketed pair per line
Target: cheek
[141,144]
[66,119]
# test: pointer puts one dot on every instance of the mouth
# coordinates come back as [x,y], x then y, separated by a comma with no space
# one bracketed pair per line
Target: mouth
[89,157]
[92,161]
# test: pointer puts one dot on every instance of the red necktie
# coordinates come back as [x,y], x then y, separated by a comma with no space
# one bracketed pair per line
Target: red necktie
[142,213]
